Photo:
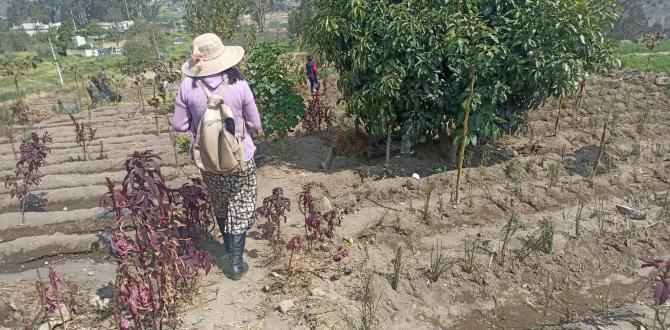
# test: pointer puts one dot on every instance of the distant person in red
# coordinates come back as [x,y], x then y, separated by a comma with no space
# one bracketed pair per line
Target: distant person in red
[312,74]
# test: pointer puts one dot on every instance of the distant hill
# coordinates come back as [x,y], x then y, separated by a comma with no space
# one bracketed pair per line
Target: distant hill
[657,12]
[642,16]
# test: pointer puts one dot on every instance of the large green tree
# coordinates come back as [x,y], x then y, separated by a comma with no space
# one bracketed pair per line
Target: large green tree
[259,10]
[298,20]
[407,63]
[217,16]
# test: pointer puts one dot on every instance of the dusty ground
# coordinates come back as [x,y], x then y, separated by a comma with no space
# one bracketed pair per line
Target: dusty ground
[586,282]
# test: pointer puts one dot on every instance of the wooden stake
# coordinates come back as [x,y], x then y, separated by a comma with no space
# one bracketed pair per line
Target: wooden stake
[388,148]
[600,150]
[558,117]
[473,79]
[580,95]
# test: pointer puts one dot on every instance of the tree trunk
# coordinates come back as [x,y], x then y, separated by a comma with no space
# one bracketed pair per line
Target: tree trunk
[16,84]
[23,210]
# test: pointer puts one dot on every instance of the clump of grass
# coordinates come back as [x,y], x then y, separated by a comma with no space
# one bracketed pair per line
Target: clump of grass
[397,268]
[508,231]
[426,214]
[497,317]
[513,170]
[439,262]
[369,303]
[440,202]
[630,232]
[542,239]
[397,226]
[547,295]
[552,174]
[659,152]
[546,241]
[469,254]
[642,121]
[485,159]
[636,151]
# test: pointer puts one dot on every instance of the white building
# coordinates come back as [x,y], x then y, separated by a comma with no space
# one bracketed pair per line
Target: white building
[34,28]
[82,52]
[79,41]
[123,25]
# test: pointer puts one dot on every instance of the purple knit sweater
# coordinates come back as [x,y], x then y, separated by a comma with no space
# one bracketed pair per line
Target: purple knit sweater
[191,104]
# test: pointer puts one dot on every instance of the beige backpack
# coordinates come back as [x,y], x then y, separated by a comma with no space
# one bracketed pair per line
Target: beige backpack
[216,149]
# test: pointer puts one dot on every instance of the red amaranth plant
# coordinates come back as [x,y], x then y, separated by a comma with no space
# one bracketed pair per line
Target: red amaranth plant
[158,262]
[27,175]
[273,211]
[296,243]
[314,220]
[84,135]
[341,253]
[52,296]
[317,115]
[661,290]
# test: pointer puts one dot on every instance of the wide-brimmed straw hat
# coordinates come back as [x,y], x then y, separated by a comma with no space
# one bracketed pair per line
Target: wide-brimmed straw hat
[210,56]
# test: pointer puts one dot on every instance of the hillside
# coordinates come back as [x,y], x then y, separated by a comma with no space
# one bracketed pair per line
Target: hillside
[657,12]
[642,16]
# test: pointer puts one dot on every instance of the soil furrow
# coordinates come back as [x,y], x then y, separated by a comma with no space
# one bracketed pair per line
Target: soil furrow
[25,249]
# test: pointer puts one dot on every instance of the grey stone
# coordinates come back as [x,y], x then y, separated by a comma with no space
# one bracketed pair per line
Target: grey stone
[662,81]
[323,205]
[285,306]
[631,212]
[318,292]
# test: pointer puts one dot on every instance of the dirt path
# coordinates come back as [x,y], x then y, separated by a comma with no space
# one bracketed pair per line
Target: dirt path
[536,175]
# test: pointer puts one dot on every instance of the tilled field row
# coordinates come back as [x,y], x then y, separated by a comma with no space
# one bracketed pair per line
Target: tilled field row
[9,220]
[66,132]
[74,180]
[97,116]
[25,249]
[97,166]
[90,220]
[65,156]
[131,140]
[72,197]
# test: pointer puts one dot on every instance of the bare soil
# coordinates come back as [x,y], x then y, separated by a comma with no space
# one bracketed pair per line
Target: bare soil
[590,281]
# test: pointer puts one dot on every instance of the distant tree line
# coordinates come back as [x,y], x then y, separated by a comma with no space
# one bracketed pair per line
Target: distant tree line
[81,11]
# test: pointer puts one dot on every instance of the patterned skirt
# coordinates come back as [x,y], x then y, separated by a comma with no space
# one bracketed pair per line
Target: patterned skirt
[233,198]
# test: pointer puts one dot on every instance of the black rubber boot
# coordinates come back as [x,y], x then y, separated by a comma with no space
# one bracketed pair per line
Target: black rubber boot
[234,245]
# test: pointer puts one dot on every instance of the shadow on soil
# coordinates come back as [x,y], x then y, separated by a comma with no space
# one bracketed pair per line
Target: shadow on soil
[309,152]
[582,161]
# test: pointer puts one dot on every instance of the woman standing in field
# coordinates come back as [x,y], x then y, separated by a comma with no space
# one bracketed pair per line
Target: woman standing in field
[233,196]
